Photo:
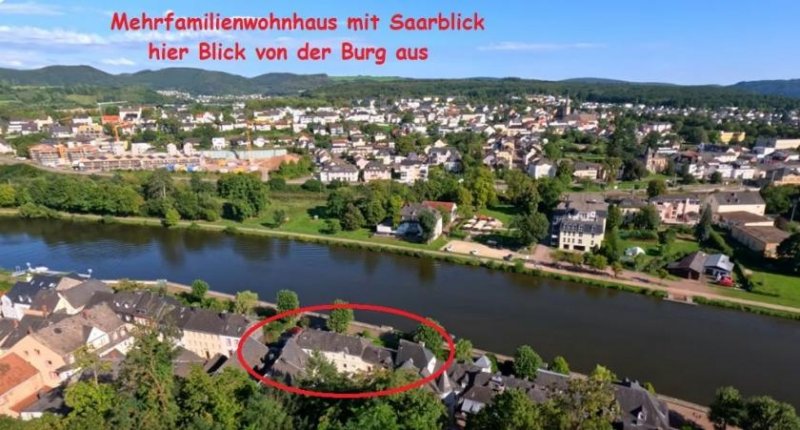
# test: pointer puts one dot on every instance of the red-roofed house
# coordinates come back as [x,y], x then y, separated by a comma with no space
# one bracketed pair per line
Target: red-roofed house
[19,382]
[445,208]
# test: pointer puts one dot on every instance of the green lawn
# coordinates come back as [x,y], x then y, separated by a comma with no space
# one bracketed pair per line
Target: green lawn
[504,213]
[680,246]
[771,288]
[301,209]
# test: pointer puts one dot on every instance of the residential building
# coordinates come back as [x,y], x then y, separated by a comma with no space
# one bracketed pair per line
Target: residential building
[208,333]
[585,170]
[741,201]
[375,171]
[410,226]
[579,223]
[678,208]
[341,171]
[349,354]
[763,240]
[22,295]
[51,349]
[542,168]
[777,144]
[19,381]
[698,263]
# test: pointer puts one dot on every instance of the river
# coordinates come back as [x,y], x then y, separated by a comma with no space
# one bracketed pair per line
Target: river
[685,351]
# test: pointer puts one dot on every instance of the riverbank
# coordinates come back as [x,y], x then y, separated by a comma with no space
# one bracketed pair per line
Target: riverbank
[687,410]
[400,248]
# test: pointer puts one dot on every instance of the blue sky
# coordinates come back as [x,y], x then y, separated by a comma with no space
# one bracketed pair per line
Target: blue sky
[678,41]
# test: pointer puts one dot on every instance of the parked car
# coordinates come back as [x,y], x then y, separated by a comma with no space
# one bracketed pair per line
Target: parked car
[473,252]
[509,257]
[726,281]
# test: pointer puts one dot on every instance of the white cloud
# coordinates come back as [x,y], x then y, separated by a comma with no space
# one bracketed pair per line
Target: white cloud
[537,47]
[24,35]
[29,8]
[121,61]
[29,35]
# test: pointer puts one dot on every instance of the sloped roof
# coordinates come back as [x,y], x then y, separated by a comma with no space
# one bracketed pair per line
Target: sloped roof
[14,371]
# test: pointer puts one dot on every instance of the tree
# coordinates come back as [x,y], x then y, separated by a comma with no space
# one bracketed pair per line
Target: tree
[703,229]
[427,223]
[614,217]
[286,300]
[531,228]
[789,250]
[559,365]
[246,190]
[430,338]
[146,381]
[171,218]
[617,268]
[340,319]
[264,412]
[279,217]
[199,290]
[92,404]
[597,262]
[716,177]
[510,410]
[481,182]
[765,413]
[656,187]
[464,350]
[8,197]
[208,402]
[633,170]
[332,226]
[612,246]
[159,185]
[245,302]
[588,403]
[352,218]
[727,408]
[648,218]
[526,362]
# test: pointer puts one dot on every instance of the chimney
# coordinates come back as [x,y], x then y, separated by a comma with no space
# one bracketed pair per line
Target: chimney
[16,323]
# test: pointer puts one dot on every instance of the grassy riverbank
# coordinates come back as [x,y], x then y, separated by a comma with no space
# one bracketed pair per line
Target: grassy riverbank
[378,244]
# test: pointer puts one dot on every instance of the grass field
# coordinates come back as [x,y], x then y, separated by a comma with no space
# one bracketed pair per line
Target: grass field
[305,213]
[770,288]
[504,213]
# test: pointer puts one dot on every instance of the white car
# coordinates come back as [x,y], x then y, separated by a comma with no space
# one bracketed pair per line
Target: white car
[474,252]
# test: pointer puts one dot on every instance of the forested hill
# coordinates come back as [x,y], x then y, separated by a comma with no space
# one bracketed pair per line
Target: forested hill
[786,88]
[196,81]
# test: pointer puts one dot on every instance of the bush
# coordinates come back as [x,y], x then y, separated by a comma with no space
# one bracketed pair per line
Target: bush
[277,184]
[34,211]
[313,185]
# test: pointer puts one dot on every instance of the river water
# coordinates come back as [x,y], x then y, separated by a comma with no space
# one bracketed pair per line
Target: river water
[685,351]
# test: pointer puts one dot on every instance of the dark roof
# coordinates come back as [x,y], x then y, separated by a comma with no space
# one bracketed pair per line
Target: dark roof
[416,354]
[45,300]
[29,324]
[739,198]
[48,402]
[639,408]
[207,321]
[139,304]
[80,295]
[184,360]
[23,292]
[695,262]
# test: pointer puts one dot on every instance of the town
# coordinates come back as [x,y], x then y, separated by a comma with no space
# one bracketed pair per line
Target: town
[655,195]
[63,332]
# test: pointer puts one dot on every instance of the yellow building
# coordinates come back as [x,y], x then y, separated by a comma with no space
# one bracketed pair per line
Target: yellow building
[727,137]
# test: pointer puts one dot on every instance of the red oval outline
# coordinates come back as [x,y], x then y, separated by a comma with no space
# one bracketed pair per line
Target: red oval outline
[355,306]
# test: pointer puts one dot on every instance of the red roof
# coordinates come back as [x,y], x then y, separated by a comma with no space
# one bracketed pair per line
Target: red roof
[442,206]
[110,119]
[14,371]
